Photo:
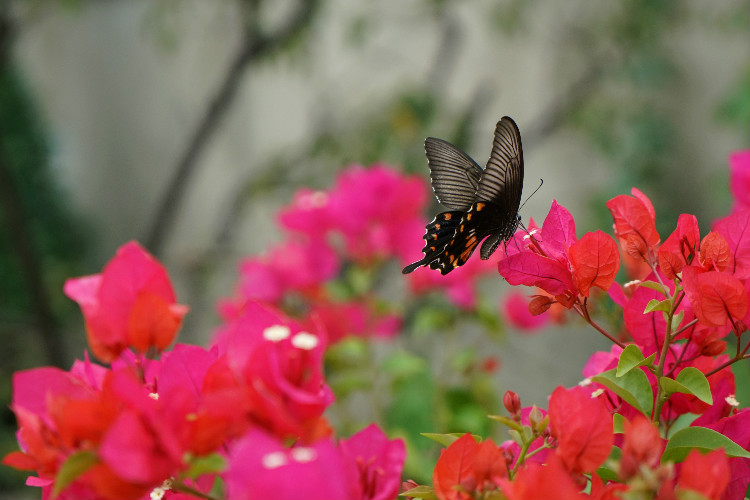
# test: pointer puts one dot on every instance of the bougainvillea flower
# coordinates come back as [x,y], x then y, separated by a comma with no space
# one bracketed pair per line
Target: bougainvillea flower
[460,286]
[595,261]
[706,474]
[583,428]
[737,428]
[634,225]
[681,247]
[467,468]
[535,481]
[378,210]
[642,446]
[735,229]
[130,304]
[515,308]
[343,319]
[739,179]
[280,370]
[648,329]
[308,213]
[261,467]
[543,261]
[716,298]
[714,253]
[374,463]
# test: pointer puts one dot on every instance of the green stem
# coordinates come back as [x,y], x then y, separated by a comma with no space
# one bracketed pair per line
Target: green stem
[584,312]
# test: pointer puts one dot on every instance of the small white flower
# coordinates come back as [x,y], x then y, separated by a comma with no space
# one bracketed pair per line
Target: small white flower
[632,283]
[276,333]
[306,341]
[274,460]
[731,400]
[585,382]
[597,393]
[303,454]
[154,395]
[159,492]
[530,234]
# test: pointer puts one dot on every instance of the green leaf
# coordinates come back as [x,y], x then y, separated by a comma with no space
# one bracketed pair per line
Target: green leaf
[608,471]
[448,439]
[633,387]
[656,305]
[425,492]
[677,319]
[208,464]
[75,465]
[507,421]
[632,357]
[619,423]
[689,381]
[653,286]
[701,439]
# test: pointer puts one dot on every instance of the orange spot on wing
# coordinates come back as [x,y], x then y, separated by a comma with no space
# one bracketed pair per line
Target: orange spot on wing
[448,216]
[480,206]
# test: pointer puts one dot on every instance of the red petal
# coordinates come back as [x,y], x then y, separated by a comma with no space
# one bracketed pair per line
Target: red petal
[583,427]
[681,246]
[736,231]
[706,474]
[715,252]
[454,466]
[715,296]
[153,322]
[633,218]
[558,232]
[595,261]
[532,269]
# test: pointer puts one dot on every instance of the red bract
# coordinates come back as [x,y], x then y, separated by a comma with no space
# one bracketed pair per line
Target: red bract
[739,178]
[737,428]
[714,252]
[735,229]
[595,261]
[681,247]
[130,304]
[374,464]
[634,223]
[715,297]
[467,468]
[583,428]
[542,482]
[642,446]
[706,474]
[454,467]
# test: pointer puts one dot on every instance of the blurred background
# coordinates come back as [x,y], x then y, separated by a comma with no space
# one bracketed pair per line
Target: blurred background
[186,124]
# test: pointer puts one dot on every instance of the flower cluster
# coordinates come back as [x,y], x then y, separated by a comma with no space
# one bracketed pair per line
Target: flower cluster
[248,409]
[656,416]
[335,237]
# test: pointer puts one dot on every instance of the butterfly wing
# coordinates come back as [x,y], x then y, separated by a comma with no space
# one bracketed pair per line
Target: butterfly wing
[455,176]
[502,179]
[450,239]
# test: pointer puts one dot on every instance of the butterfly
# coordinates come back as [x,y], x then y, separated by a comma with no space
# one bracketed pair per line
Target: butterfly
[482,203]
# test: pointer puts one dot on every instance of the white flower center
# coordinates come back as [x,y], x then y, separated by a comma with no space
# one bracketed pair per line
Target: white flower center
[276,333]
[306,341]
[274,460]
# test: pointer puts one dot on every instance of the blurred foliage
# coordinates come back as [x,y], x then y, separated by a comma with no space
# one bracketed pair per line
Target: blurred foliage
[57,244]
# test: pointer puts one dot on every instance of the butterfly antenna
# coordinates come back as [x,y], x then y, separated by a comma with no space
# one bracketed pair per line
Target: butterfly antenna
[541,182]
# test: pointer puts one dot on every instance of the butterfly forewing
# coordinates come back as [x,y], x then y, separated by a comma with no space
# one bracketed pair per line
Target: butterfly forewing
[502,179]
[454,175]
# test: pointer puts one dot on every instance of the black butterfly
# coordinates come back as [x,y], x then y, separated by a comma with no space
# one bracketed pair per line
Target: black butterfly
[481,203]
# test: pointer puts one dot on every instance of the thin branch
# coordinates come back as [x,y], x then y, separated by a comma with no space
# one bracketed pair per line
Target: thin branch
[254,46]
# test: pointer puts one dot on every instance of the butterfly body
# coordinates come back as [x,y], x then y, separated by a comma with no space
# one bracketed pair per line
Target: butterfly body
[483,203]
